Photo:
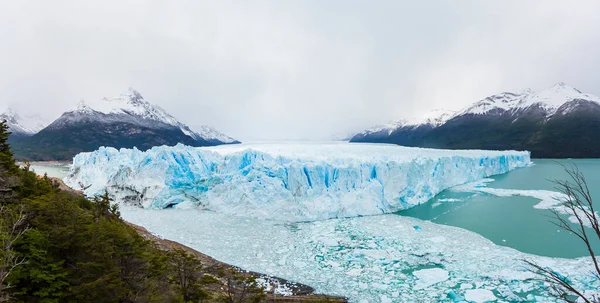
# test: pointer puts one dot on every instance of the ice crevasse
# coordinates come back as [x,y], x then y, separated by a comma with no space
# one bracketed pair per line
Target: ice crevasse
[290,182]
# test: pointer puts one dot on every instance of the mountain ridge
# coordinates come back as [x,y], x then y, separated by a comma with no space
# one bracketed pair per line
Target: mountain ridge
[125,121]
[23,125]
[534,121]
[133,104]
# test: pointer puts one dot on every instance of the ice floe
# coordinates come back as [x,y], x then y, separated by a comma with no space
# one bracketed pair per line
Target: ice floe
[367,259]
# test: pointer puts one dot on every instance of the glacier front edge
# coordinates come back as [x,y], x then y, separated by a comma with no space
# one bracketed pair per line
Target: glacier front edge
[289,182]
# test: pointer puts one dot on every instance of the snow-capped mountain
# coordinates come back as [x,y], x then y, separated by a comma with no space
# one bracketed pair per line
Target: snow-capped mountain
[550,100]
[431,119]
[209,133]
[434,118]
[557,122]
[126,121]
[27,125]
[385,128]
[132,108]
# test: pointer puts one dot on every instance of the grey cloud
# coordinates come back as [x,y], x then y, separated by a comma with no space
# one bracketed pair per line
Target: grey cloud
[273,70]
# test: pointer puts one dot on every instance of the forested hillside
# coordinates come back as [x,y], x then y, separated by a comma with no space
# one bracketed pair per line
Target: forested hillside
[58,246]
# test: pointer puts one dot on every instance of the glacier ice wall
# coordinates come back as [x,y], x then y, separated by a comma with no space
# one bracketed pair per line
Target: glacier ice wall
[291,182]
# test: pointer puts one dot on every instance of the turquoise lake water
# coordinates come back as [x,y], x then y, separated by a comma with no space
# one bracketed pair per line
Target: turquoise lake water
[53,170]
[508,221]
[512,221]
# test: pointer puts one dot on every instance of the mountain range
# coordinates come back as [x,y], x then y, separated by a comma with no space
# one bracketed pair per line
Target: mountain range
[23,126]
[559,122]
[123,122]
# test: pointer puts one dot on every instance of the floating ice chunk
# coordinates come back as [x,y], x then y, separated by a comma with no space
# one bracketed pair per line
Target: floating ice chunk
[507,294]
[548,199]
[449,200]
[430,276]
[480,295]
[466,256]
[588,294]
[290,182]
[330,242]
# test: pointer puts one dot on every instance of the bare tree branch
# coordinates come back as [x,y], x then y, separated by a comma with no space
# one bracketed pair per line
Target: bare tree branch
[12,227]
[578,204]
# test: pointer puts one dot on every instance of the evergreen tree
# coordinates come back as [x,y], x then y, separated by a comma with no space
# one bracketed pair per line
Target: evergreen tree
[7,160]
[187,276]
[59,246]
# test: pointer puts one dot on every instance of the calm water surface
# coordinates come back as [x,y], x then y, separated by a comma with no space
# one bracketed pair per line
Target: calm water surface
[58,170]
[512,221]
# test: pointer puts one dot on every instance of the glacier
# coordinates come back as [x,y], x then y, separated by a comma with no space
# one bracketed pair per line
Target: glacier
[286,182]
[237,197]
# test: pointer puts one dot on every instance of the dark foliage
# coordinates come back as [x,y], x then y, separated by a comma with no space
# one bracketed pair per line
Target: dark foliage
[58,246]
[64,143]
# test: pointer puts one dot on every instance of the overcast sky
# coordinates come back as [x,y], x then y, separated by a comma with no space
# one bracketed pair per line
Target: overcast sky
[273,70]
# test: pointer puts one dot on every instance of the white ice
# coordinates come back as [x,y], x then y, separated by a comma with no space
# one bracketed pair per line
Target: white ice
[289,182]
[367,259]
[386,258]
[429,277]
[480,295]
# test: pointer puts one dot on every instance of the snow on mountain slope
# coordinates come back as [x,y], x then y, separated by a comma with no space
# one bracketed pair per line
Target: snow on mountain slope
[209,133]
[23,125]
[549,99]
[289,182]
[385,128]
[553,98]
[433,118]
[504,102]
[132,107]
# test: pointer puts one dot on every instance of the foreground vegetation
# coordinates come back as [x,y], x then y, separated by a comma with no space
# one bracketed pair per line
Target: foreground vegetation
[58,246]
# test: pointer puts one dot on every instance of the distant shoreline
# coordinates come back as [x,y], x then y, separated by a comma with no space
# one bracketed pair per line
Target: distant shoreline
[21,163]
